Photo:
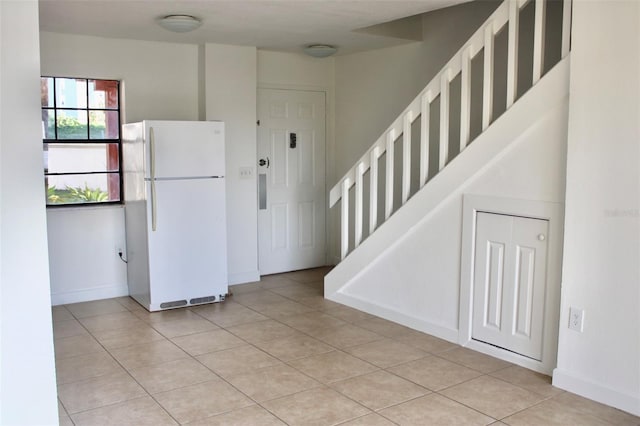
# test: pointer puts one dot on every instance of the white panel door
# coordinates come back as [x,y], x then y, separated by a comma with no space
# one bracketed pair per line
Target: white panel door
[291,180]
[510,282]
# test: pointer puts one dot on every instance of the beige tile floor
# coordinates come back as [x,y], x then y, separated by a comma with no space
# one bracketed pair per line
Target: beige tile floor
[276,353]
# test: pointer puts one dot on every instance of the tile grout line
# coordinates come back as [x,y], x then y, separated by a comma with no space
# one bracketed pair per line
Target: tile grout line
[131,375]
[279,319]
[327,385]
[263,351]
[182,387]
[377,368]
[149,394]
[525,409]
[321,384]
[433,392]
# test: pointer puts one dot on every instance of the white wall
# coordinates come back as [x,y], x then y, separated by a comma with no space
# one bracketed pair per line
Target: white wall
[602,229]
[409,270]
[373,87]
[296,71]
[159,81]
[169,81]
[231,87]
[27,374]
[420,277]
[84,264]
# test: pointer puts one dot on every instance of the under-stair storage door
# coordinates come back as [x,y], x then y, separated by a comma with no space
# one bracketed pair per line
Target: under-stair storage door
[510,282]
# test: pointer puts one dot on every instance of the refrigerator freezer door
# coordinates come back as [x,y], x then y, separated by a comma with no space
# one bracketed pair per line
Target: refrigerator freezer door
[187,251]
[184,148]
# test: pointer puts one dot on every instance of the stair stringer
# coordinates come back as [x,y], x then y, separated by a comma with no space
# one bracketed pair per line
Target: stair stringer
[408,271]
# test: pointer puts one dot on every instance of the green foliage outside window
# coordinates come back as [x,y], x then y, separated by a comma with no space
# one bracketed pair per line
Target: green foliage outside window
[72,128]
[71,195]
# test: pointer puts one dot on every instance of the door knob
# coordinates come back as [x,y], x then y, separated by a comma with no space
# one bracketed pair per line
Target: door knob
[264,162]
[541,237]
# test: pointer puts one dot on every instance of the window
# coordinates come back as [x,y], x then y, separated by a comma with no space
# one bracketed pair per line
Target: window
[81,136]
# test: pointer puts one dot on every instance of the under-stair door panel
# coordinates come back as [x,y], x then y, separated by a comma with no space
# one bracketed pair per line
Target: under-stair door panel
[291,215]
[510,282]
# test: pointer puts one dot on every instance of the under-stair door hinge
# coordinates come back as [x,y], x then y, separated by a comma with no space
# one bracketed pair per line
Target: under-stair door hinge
[258,122]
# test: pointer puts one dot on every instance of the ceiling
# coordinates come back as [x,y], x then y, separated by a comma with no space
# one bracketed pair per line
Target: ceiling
[283,25]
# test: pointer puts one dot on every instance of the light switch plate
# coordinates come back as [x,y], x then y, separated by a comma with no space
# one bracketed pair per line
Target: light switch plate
[246,172]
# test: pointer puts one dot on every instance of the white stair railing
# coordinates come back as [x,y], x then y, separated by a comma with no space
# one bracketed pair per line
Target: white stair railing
[483,39]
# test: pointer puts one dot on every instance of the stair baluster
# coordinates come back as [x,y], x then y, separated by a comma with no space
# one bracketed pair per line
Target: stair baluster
[508,13]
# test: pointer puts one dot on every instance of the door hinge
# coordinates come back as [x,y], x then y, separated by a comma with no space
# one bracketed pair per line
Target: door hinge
[258,122]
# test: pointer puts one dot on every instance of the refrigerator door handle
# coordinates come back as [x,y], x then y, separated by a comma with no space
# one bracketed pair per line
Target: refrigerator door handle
[152,171]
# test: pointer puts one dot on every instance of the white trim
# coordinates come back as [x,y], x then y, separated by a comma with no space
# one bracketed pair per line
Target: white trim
[328,149]
[85,207]
[446,333]
[244,277]
[596,391]
[508,356]
[89,294]
[329,152]
[293,87]
[554,213]
[487,148]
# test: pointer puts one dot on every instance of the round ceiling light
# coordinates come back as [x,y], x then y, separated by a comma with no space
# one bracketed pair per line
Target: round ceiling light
[320,50]
[179,23]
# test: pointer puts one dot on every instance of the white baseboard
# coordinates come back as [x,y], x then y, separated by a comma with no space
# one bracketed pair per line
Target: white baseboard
[597,391]
[244,277]
[509,356]
[89,294]
[107,292]
[419,324]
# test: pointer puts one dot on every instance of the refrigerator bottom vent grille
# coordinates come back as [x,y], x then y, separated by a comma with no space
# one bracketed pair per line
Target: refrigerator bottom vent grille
[173,304]
[206,299]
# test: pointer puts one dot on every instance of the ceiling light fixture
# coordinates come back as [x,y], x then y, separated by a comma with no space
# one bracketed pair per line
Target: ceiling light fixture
[320,50]
[179,23]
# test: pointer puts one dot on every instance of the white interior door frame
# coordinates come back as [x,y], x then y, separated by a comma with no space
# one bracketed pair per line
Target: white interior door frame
[331,225]
[554,213]
[320,167]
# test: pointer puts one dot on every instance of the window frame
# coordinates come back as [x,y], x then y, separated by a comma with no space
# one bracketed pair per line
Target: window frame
[88,141]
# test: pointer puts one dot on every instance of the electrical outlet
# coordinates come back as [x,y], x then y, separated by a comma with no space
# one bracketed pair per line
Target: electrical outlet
[576,319]
[246,172]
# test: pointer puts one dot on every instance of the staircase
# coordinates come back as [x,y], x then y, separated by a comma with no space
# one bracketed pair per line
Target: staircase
[531,106]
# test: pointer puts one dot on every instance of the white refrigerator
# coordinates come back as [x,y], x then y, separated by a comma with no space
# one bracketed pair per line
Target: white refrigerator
[174,195]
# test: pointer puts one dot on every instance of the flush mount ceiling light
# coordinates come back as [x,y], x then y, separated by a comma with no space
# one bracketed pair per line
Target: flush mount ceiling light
[320,50]
[179,23]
